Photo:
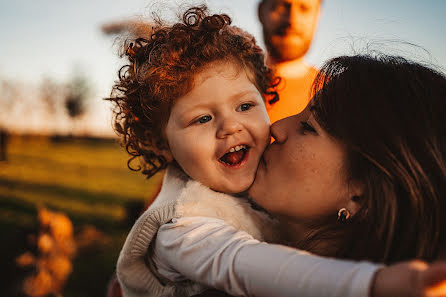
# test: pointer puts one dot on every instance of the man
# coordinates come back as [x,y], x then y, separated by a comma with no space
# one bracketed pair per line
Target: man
[288,29]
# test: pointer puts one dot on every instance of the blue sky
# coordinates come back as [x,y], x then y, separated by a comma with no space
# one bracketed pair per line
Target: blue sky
[51,38]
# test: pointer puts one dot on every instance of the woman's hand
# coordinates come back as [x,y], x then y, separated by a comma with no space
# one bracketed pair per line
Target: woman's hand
[414,278]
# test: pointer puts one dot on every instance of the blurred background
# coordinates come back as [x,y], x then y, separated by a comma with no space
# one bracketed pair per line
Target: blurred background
[65,189]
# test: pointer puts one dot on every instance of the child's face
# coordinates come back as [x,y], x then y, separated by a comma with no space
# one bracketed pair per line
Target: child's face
[218,131]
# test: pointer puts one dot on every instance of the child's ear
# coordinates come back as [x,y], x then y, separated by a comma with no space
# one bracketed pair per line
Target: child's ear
[165,152]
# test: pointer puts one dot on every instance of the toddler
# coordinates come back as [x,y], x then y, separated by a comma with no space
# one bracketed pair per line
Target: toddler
[191,100]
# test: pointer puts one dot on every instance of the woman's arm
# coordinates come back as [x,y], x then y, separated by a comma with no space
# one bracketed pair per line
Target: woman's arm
[213,253]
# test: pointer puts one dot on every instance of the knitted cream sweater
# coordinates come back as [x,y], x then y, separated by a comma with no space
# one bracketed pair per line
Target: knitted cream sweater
[180,197]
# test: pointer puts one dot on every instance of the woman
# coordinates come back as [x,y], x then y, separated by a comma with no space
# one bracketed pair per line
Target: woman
[360,174]
[372,143]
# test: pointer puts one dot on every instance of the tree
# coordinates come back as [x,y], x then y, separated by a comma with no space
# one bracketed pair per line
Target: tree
[51,95]
[78,90]
[9,94]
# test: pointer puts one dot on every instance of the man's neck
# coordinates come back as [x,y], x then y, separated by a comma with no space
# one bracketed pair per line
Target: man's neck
[291,68]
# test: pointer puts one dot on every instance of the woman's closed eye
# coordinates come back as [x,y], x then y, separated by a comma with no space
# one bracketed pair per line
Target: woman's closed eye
[306,127]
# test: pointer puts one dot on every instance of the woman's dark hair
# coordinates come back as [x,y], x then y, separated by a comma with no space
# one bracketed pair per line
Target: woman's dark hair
[390,113]
[161,68]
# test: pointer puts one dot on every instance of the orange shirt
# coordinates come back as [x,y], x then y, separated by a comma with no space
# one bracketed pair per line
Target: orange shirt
[294,95]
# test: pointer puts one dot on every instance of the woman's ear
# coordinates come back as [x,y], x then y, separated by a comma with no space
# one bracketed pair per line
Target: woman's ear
[356,191]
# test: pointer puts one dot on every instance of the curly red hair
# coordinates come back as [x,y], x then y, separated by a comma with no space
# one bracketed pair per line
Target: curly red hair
[162,67]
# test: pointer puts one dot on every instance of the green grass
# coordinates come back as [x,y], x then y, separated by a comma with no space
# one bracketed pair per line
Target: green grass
[86,179]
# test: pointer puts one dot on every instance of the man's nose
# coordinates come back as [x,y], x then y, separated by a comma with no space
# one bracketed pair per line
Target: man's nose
[292,17]
[228,126]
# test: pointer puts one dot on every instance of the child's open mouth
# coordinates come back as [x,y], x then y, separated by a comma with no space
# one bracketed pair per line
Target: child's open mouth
[235,156]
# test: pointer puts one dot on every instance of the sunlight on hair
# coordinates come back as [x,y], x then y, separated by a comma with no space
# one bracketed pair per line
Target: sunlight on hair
[376,45]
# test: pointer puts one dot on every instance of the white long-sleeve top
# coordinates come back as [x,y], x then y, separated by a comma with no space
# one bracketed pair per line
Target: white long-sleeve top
[212,252]
[181,196]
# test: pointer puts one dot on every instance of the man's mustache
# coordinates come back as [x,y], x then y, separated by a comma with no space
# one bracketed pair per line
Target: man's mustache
[286,30]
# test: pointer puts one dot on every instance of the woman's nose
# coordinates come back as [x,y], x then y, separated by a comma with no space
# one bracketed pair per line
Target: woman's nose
[228,126]
[279,130]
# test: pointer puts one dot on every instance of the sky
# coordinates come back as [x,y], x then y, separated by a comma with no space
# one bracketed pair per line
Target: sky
[49,38]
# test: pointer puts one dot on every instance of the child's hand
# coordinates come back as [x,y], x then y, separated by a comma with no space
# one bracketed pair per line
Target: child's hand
[414,278]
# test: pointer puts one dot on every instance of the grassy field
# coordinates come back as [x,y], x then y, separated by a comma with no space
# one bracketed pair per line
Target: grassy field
[85,178]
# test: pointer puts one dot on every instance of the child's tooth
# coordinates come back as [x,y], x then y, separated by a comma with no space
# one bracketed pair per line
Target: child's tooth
[232,150]
[237,148]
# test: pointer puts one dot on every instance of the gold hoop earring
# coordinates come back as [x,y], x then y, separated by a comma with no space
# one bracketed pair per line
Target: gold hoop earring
[343,215]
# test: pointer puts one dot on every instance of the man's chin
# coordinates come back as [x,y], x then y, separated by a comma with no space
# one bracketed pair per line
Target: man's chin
[287,50]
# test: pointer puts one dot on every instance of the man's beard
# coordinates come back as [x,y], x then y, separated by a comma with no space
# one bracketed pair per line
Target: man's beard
[281,51]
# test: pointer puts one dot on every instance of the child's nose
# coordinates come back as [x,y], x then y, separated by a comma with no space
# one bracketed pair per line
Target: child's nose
[228,127]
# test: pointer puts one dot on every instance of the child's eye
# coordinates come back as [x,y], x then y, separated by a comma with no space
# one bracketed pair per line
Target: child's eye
[204,119]
[244,107]
[307,127]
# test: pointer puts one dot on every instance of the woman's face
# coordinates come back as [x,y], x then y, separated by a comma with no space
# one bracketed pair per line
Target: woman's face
[301,176]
